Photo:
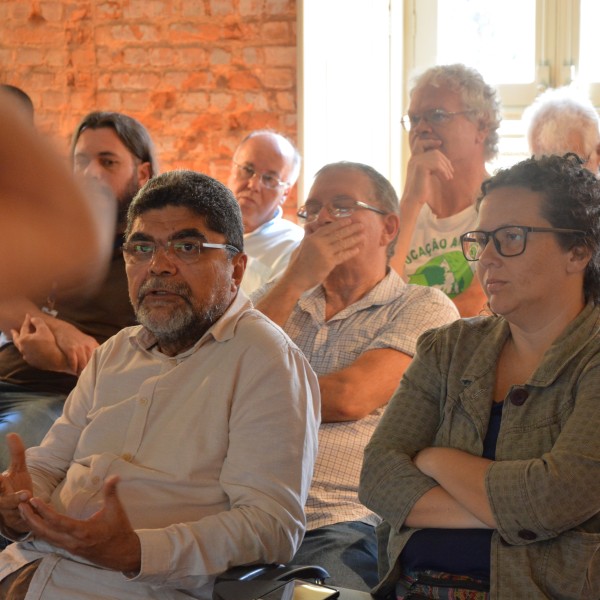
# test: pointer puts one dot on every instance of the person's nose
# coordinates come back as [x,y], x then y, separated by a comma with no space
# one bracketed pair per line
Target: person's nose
[421,126]
[254,183]
[162,262]
[489,254]
[92,170]
[323,216]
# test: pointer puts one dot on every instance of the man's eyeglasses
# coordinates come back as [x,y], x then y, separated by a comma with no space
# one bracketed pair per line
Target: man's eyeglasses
[435,116]
[186,251]
[510,240]
[246,172]
[337,208]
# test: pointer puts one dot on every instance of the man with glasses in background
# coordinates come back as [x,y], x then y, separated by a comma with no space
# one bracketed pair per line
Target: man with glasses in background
[187,446]
[265,167]
[357,322]
[452,124]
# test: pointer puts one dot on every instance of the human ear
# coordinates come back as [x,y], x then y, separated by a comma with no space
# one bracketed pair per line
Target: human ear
[143,173]
[391,223]
[579,258]
[238,262]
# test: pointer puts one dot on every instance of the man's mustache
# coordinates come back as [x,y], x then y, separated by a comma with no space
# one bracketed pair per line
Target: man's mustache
[154,285]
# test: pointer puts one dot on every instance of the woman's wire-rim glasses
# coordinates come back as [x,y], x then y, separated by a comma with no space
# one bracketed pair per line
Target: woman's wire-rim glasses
[509,241]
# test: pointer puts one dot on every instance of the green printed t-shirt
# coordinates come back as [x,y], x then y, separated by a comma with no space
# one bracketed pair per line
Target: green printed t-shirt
[435,258]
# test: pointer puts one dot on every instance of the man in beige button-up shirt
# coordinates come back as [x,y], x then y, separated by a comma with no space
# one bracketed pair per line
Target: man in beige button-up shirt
[188,444]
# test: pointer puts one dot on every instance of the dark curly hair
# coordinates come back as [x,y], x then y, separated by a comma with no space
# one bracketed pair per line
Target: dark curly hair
[571,201]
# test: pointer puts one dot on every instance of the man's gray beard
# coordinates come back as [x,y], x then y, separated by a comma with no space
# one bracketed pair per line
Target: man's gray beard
[185,325]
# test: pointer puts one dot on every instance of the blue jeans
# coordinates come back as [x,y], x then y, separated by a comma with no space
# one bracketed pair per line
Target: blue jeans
[30,414]
[347,550]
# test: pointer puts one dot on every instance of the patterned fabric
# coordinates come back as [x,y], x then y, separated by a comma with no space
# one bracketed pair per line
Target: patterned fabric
[392,315]
[441,586]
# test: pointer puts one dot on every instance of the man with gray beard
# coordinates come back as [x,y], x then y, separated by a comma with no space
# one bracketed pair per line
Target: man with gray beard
[188,444]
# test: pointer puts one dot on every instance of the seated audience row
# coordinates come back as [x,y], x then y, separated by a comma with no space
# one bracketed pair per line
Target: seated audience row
[332,290]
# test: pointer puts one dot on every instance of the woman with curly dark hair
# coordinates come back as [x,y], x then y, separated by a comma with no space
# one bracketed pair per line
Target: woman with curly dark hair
[486,465]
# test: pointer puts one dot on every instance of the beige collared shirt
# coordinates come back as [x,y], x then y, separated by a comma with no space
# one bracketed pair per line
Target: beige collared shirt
[214,448]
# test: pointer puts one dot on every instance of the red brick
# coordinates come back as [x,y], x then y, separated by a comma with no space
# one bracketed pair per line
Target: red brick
[110,10]
[280,56]
[256,102]
[146,9]
[286,101]
[55,58]
[135,80]
[199,80]
[242,80]
[175,79]
[192,56]
[250,7]
[163,100]
[109,100]
[131,56]
[109,58]
[275,32]
[221,101]
[20,11]
[52,11]
[218,56]
[250,56]
[281,79]
[77,11]
[132,102]
[193,8]
[221,7]
[193,101]
[201,32]
[162,57]
[280,7]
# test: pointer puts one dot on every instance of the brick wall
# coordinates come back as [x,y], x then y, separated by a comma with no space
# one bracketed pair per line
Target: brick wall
[199,74]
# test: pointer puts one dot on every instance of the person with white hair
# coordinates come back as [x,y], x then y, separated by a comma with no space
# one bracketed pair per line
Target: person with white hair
[563,120]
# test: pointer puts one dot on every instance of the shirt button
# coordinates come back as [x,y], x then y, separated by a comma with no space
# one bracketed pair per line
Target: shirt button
[95,480]
[525,534]
[143,401]
[518,396]
[127,457]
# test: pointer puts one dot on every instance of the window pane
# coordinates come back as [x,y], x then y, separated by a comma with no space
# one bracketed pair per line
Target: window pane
[589,65]
[487,36]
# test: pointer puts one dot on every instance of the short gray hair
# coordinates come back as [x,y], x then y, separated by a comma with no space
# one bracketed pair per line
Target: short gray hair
[476,94]
[556,113]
